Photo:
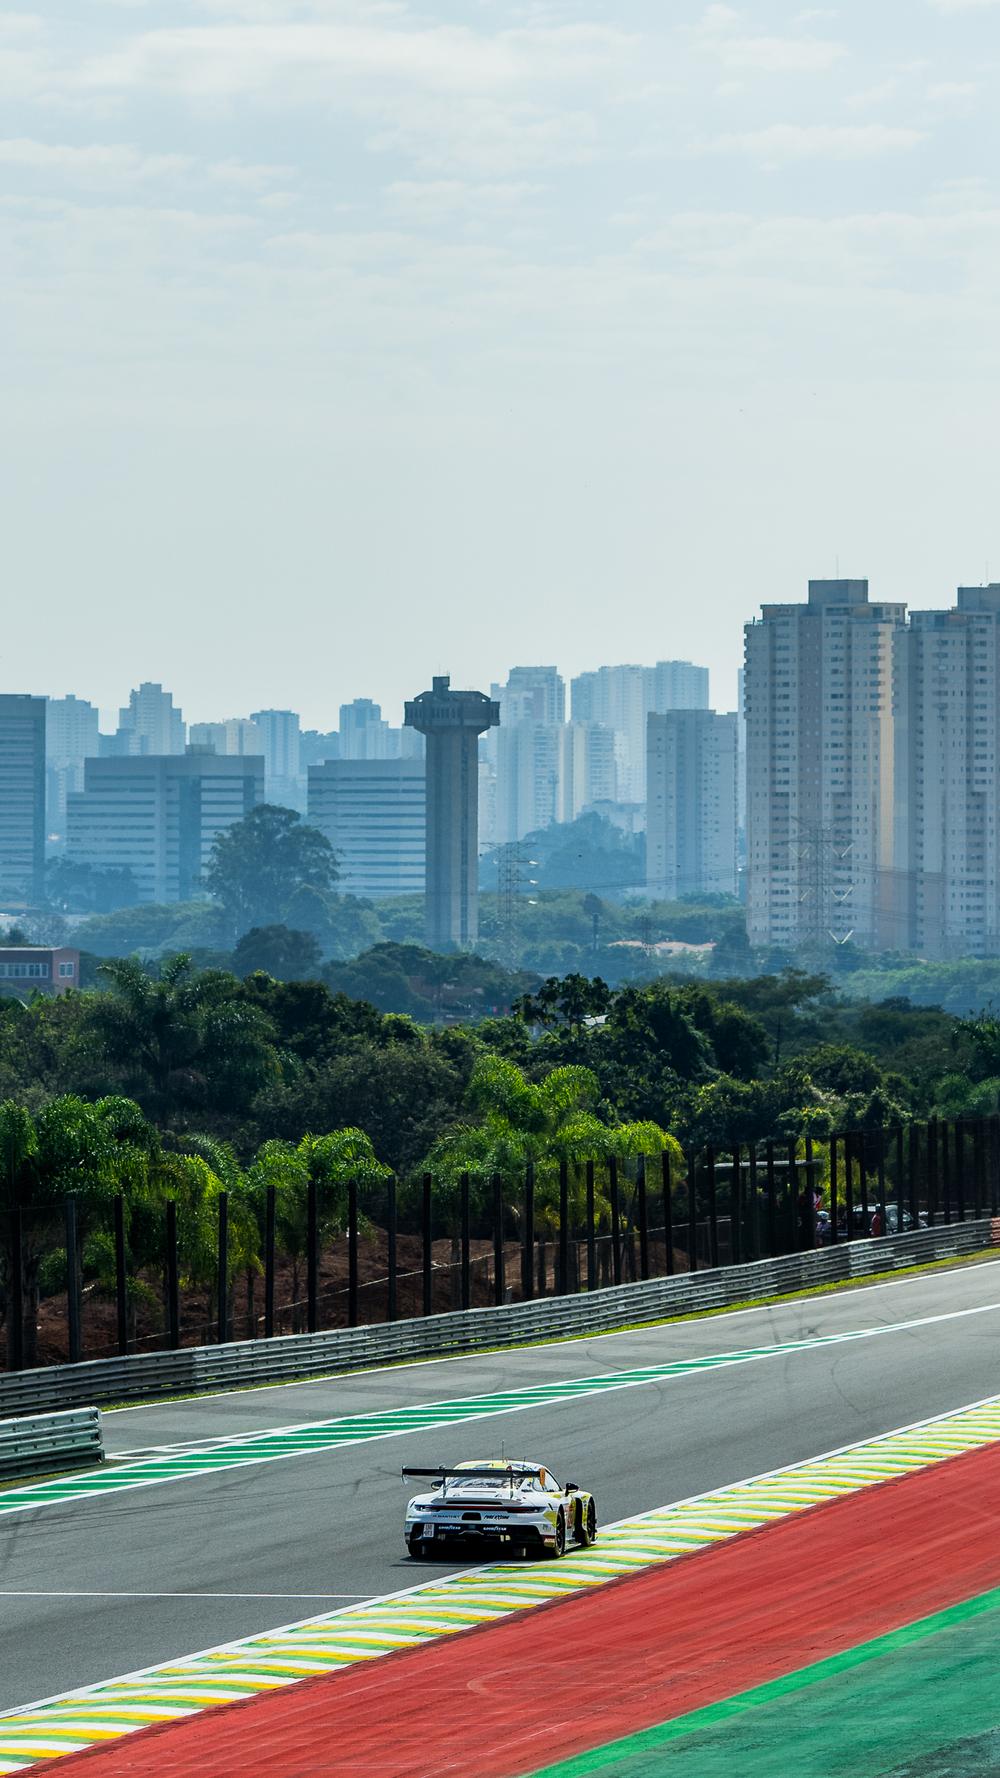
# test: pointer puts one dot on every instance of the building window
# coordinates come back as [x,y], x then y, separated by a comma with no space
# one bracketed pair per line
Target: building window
[66,969]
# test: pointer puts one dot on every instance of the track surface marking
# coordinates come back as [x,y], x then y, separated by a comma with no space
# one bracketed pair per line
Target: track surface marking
[338,1641]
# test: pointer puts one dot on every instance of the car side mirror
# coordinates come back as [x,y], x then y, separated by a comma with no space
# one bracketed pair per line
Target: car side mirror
[572,1487]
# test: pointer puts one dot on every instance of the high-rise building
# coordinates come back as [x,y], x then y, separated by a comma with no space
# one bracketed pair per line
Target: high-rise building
[535,693]
[691,779]
[679,685]
[237,735]
[150,723]
[948,789]
[622,697]
[71,736]
[363,732]
[284,782]
[159,815]
[452,722]
[822,766]
[22,799]
[527,778]
[587,768]
[374,813]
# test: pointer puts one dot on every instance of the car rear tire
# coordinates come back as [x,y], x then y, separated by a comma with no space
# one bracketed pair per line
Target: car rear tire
[586,1524]
[416,1547]
[560,1543]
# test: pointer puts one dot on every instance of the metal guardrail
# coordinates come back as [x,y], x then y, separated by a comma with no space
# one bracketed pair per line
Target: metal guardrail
[191,1371]
[36,1444]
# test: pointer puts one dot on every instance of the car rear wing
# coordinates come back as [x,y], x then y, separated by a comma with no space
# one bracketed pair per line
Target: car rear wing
[493,1473]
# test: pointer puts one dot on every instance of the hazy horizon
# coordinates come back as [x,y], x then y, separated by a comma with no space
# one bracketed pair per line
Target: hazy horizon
[351,342]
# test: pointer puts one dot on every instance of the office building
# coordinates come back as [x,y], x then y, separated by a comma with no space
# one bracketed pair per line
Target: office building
[587,768]
[537,694]
[822,765]
[71,736]
[149,723]
[159,816]
[451,722]
[236,736]
[22,800]
[284,780]
[691,804]
[374,813]
[365,734]
[678,685]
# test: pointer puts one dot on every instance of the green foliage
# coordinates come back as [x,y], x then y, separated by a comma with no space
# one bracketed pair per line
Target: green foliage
[260,863]
[288,955]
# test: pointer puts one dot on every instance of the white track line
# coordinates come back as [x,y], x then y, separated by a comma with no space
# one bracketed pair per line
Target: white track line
[620,1333]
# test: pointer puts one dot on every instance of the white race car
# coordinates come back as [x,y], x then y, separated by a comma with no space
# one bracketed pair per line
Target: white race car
[498,1501]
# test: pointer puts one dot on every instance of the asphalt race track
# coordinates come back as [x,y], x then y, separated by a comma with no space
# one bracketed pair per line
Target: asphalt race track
[100,1587]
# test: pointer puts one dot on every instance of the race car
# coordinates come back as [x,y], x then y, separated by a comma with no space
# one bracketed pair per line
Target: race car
[497,1501]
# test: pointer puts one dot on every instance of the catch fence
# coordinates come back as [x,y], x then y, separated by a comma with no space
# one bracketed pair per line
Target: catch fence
[72,1288]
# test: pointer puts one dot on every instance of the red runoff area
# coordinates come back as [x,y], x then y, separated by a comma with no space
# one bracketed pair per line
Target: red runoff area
[515,1696]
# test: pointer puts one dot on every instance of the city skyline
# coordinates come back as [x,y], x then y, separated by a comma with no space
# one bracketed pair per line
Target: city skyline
[335,320]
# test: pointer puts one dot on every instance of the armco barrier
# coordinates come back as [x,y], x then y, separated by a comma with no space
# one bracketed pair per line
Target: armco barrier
[35,1444]
[196,1369]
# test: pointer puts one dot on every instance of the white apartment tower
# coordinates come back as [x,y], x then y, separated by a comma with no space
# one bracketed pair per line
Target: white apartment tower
[150,723]
[587,767]
[620,698]
[949,709]
[824,837]
[691,814]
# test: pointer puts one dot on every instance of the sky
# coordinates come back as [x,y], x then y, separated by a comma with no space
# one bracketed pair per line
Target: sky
[347,342]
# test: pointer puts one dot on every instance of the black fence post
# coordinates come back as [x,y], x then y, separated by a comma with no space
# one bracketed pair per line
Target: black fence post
[994,1165]
[312,1256]
[713,1209]
[15,1292]
[960,1148]
[793,1195]
[616,1221]
[945,1171]
[863,1159]
[833,1189]
[643,1207]
[222,1270]
[913,1162]
[810,1193]
[932,1170]
[563,1228]
[771,1205]
[121,1277]
[463,1196]
[591,1233]
[880,1177]
[849,1148]
[352,1253]
[528,1247]
[427,1259]
[900,1180]
[668,1210]
[73,1280]
[754,1218]
[692,1184]
[978,1166]
[269,1221]
[173,1280]
[736,1208]
[499,1271]
[392,1280]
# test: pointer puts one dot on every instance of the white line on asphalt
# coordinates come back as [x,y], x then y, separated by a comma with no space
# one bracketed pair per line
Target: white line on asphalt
[619,1333]
[239,1642]
[22,1592]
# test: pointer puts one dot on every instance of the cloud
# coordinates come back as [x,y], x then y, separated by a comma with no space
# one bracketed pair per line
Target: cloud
[718,34]
[116,162]
[779,143]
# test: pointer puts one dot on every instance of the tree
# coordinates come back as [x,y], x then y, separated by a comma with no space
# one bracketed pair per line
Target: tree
[287,955]
[183,1040]
[258,864]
